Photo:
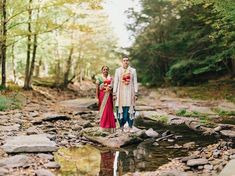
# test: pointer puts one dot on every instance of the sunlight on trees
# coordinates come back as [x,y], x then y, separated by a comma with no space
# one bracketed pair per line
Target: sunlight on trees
[62,40]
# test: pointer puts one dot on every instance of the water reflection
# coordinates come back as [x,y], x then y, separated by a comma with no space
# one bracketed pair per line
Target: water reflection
[88,160]
[107,163]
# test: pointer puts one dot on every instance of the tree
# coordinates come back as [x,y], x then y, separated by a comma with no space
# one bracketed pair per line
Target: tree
[3,41]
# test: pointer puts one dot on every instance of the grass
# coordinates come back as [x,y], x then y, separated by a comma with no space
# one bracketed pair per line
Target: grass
[203,118]
[214,90]
[10,101]
[185,113]
[224,113]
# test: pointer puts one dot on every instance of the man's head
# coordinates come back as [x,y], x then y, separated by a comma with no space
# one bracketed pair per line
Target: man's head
[125,61]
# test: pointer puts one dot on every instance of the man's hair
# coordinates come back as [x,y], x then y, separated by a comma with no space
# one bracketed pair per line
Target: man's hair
[125,56]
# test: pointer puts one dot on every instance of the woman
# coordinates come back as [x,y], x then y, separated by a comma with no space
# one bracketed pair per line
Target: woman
[105,100]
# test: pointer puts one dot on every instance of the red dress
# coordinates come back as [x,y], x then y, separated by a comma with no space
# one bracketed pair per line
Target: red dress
[107,119]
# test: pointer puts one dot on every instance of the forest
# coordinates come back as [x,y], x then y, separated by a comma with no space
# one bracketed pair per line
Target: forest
[59,40]
[183,42]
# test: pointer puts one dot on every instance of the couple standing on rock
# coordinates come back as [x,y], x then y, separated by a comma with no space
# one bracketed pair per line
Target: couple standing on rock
[123,89]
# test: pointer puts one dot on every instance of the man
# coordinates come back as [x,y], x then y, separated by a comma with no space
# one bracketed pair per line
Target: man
[125,92]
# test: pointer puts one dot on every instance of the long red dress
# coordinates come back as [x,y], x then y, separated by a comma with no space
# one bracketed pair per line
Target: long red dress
[107,119]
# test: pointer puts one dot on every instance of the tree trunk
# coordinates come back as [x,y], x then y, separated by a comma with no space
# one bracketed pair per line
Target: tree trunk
[37,68]
[57,72]
[26,82]
[233,66]
[33,60]
[68,68]
[81,75]
[13,62]
[3,41]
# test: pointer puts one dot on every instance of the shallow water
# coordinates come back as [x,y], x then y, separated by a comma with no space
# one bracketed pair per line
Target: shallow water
[90,160]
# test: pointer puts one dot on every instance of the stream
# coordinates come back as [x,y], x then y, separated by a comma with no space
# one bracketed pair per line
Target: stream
[93,160]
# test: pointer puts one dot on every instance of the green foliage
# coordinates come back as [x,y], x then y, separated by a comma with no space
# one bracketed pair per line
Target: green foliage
[13,101]
[203,118]
[224,113]
[185,113]
[163,119]
[183,42]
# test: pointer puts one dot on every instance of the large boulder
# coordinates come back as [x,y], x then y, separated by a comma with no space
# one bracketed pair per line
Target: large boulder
[114,140]
[32,143]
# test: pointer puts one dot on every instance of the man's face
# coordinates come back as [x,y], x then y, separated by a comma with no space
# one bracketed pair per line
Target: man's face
[125,62]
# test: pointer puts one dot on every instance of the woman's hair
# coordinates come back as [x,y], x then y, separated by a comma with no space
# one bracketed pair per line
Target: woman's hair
[104,67]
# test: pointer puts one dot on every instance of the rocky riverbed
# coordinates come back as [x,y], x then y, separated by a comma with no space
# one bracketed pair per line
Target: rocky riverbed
[50,120]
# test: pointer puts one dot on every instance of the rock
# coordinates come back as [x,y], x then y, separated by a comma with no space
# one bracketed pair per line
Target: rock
[15,127]
[167,132]
[170,140]
[151,133]
[173,172]
[144,108]
[232,157]
[228,133]
[52,165]
[216,153]
[153,115]
[226,106]
[32,130]
[156,144]
[176,146]
[43,172]
[189,145]
[54,117]
[197,162]
[46,156]
[218,128]
[111,140]
[208,167]
[81,104]
[87,125]
[15,161]
[76,128]
[3,171]
[203,110]
[82,112]
[176,120]
[64,142]
[32,143]
[34,114]
[228,169]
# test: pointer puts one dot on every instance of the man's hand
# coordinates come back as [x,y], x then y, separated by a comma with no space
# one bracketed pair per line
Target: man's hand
[136,97]
[114,97]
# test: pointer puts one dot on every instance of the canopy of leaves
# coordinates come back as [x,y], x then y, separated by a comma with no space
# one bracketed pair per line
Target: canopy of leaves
[183,42]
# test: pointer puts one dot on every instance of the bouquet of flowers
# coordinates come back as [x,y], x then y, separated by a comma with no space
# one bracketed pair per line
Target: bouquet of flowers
[126,78]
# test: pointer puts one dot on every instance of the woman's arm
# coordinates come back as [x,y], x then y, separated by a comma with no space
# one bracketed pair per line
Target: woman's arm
[97,91]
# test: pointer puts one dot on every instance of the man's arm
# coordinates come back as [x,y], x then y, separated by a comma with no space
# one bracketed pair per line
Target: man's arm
[135,82]
[115,83]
